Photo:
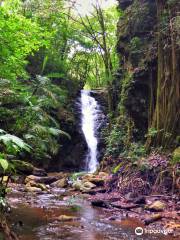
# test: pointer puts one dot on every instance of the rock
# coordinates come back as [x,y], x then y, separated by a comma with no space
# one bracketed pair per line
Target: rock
[103,175]
[131,196]
[33,189]
[62,183]
[125,3]
[98,180]
[65,218]
[89,185]
[95,191]
[140,200]
[45,180]
[39,172]
[22,167]
[37,185]
[83,186]
[152,218]
[156,206]
[77,185]
[100,203]
[126,206]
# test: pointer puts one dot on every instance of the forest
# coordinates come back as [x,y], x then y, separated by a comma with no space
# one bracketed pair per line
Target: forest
[89,119]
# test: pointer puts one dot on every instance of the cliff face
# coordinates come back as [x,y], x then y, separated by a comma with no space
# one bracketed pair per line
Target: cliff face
[137,48]
[148,48]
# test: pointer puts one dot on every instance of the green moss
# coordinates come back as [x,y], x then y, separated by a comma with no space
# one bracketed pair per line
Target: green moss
[176,156]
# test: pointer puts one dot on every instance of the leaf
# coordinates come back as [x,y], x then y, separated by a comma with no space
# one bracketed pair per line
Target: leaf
[4,164]
[56,132]
[16,142]
[55,75]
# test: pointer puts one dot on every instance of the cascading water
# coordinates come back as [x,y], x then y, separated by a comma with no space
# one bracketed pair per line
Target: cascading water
[90,109]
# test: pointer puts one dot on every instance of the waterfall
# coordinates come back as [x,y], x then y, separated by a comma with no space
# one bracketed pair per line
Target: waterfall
[89,110]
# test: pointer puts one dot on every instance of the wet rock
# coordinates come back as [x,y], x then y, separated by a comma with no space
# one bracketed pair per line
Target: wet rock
[100,203]
[83,186]
[96,191]
[62,183]
[156,206]
[66,218]
[140,200]
[37,185]
[45,180]
[33,189]
[124,205]
[77,185]
[131,196]
[89,185]
[98,180]
[39,172]
[152,218]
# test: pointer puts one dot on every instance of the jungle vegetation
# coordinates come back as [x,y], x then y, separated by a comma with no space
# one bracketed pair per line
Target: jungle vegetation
[48,53]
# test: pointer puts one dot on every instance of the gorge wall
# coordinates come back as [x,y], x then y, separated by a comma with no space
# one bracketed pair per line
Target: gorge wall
[148,65]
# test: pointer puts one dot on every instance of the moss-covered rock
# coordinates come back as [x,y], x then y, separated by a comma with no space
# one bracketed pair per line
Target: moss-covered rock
[176,156]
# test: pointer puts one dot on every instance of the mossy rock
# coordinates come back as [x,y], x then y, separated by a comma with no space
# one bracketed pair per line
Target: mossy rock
[176,156]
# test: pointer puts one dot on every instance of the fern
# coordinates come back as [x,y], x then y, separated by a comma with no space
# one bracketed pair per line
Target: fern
[14,142]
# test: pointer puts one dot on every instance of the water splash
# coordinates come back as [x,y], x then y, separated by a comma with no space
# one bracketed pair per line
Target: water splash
[89,108]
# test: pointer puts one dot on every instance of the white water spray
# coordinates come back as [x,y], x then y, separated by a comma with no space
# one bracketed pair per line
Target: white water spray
[89,108]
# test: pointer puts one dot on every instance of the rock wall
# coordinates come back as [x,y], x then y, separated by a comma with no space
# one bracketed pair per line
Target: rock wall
[148,77]
[137,48]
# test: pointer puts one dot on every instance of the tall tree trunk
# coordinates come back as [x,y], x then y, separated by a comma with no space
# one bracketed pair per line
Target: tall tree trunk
[166,116]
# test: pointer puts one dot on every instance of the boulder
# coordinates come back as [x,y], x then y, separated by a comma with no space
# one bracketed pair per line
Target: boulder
[89,185]
[33,189]
[37,185]
[156,206]
[45,180]
[62,183]
[83,186]
[98,180]
[77,185]
[39,172]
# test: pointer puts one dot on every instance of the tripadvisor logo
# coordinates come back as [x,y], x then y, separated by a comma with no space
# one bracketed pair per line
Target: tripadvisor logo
[139,231]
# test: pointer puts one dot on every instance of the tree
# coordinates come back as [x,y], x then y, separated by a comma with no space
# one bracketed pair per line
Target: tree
[19,38]
[101,54]
[166,114]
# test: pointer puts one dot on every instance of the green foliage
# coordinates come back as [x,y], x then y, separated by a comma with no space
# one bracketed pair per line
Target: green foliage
[152,132]
[176,156]
[94,57]
[13,144]
[19,38]
[74,177]
[115,140]
[120,142]
[135,44]
[125,86]
[4,164]
[135,151]
[116,169]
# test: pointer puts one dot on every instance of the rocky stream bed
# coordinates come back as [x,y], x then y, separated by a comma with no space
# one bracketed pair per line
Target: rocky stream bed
[59,207]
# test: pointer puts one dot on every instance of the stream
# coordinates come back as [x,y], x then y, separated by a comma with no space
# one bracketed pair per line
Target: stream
[35,217]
